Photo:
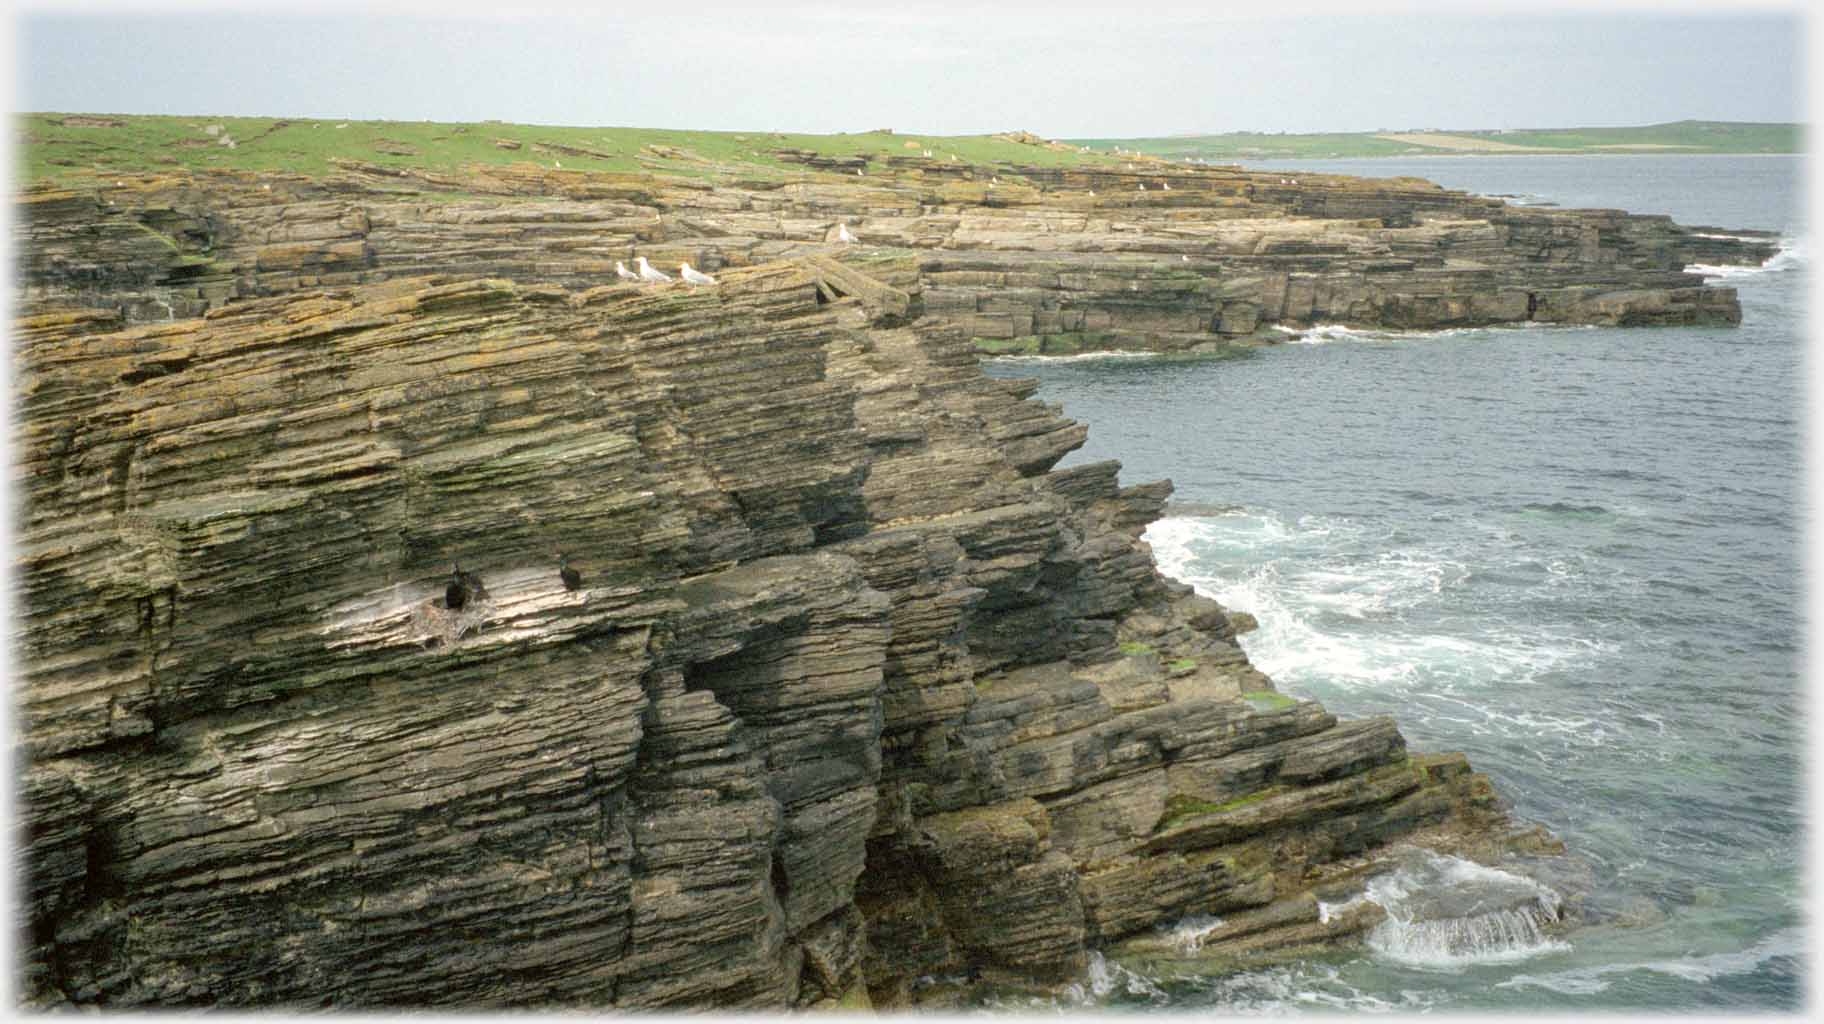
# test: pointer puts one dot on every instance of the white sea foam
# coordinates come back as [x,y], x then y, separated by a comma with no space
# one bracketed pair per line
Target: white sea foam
[1445,913]
[1324,334]
[1336,615]
[1187,934]
[1788,942]
[1326,911]
[1101,979]
[1285,590]
[1793,254]
[1309,986]
[1080,357]
[1519,198]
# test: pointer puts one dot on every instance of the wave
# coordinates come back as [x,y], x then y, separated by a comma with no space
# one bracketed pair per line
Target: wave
[1562,510]
[1323,334]
[1307,986]
[1102,978]
[1445,913]
[1793,254]
[1343,609]
[1519,198]
[1788,942]
[1080,357]
[1186,935]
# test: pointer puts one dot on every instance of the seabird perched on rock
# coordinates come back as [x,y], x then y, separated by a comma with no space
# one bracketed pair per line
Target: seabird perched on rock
[693,277]
[457,593]
[650,273]
[858,173]
[1166,185]
[621,271]
[471,583]
[842,233]
[572,579]
[1143,186]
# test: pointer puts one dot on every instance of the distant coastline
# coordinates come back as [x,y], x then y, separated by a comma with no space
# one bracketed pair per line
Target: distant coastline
[1680,138]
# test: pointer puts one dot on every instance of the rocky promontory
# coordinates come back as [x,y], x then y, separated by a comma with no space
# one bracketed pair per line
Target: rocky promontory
[856,688]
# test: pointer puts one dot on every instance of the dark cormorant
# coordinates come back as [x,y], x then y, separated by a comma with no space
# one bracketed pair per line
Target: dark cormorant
[472,583]
[457,593]
[572,579]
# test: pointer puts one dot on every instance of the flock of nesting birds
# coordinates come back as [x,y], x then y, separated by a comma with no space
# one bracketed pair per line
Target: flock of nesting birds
[649,274]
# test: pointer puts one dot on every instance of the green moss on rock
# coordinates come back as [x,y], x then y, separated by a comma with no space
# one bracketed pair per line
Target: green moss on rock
[1180,808]
[1267,700]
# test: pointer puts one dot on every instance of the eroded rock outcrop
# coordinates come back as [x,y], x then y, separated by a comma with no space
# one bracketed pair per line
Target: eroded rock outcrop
[855,688]
[1152,256]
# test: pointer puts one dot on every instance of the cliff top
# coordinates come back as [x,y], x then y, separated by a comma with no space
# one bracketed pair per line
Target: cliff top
[69,147]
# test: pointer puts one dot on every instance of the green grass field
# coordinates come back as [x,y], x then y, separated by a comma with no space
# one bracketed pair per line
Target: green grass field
[1675,137]
[71,147]
[62,147]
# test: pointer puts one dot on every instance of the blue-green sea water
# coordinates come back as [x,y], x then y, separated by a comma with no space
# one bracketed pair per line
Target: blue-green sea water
[1572,553]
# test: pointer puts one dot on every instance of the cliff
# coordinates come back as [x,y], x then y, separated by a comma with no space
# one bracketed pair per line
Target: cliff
[856,688]
[1145,255]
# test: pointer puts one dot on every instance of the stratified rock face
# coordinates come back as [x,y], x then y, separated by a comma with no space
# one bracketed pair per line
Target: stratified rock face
[854,688]
[1021,258]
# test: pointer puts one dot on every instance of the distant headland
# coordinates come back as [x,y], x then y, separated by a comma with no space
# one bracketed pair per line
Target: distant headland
[1684,138]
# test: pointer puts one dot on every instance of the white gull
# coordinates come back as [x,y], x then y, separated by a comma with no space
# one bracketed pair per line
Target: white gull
[650,273]
[693,277]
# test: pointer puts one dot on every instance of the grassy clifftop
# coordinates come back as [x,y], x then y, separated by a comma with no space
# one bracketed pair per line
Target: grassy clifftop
[71,146]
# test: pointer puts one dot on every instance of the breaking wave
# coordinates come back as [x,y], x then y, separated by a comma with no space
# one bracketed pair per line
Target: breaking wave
[1446,913]
[1789,942]
[1080,357]
[1794,254]
[1323,334]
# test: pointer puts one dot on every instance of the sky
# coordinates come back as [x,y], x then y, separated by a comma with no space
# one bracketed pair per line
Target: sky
[1113,70]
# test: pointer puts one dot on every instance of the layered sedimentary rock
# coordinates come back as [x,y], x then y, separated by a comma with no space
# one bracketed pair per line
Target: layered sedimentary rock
[1157,256]
[857,686]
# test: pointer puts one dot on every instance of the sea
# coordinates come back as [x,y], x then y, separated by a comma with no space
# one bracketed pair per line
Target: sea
[1572,553]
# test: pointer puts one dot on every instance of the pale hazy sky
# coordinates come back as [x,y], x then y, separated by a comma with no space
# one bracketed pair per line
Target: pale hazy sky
[1121,69]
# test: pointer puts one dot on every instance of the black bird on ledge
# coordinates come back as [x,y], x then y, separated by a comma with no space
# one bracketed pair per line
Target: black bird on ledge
[572,579]
[472,583]
[457,593]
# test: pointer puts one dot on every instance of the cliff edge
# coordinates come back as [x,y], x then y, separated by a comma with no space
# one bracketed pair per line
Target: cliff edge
[856,688]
